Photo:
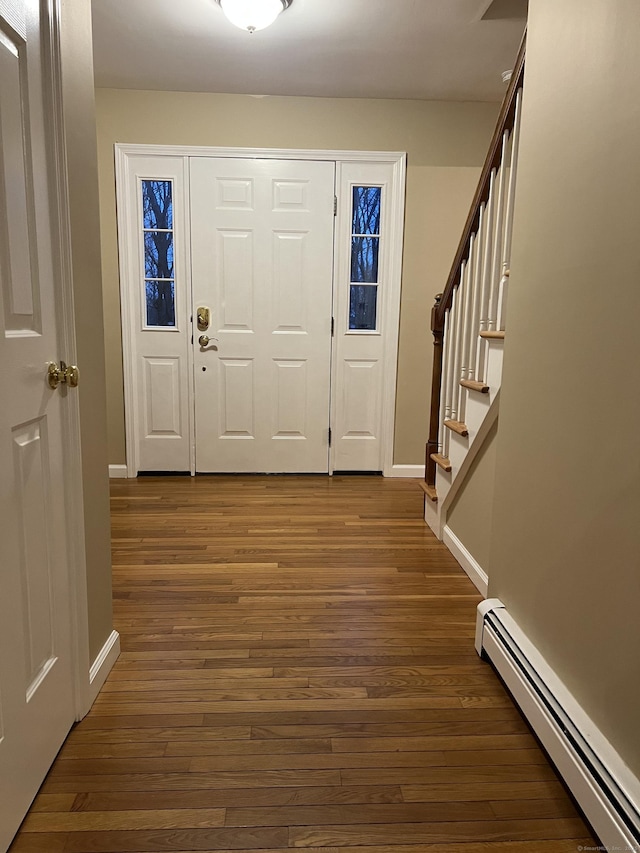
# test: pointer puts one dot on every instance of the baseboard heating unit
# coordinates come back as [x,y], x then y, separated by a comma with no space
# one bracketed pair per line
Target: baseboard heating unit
[604,787]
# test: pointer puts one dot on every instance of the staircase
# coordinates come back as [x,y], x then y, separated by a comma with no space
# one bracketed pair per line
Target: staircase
[468,320]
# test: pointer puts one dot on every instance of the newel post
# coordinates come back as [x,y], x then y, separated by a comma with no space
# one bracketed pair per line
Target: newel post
[437,328]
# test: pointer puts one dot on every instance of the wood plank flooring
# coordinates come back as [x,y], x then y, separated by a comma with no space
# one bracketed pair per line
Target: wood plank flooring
[297,671]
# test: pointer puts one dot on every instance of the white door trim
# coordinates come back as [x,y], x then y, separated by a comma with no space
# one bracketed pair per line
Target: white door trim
[130,148]
[124,214]
[392,335]
[125,151]
[61,222]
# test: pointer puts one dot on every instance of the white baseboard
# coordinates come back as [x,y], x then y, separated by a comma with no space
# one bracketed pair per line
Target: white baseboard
[101,667]
[409,471]
[118,471]
[468,562]
[604,787]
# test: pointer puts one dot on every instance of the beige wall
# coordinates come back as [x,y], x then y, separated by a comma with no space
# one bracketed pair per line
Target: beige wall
[79,126]
[565,548]
[470,516]
[446,145]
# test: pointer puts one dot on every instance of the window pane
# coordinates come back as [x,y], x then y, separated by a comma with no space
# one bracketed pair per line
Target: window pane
[366,210]
[158,254]
[157,204]
[364,259]
[161,303]
[362,307]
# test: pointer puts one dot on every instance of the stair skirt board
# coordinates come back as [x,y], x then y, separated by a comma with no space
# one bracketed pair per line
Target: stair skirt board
[476,573]
[601,783]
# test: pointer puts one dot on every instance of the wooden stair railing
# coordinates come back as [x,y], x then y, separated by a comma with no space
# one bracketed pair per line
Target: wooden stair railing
[470,311]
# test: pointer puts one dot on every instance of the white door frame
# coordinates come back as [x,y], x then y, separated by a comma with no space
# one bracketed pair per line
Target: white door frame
[396,202]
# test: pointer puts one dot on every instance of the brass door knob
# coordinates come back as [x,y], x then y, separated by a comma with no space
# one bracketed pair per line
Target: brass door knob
[203,340]
[72,376]
[65,374]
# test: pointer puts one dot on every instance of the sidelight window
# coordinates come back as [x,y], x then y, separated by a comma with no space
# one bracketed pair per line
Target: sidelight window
[365,249]
[158,239]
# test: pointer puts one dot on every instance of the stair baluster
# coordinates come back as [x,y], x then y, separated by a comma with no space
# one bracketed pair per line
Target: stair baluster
[498,236]
[508,231]
[445,406]
[467,331]
[478,267]
[456,344]
[485,286]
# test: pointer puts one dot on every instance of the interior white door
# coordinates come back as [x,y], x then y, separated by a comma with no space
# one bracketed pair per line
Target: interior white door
[262,263]
[36,685]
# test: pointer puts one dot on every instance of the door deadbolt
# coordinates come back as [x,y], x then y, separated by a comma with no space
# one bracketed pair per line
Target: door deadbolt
[203,316]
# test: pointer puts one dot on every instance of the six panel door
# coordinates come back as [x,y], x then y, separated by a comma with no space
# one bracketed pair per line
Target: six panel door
[262,264]
[36,685]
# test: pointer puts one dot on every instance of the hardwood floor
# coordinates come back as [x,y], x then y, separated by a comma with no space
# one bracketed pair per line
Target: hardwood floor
[297,671]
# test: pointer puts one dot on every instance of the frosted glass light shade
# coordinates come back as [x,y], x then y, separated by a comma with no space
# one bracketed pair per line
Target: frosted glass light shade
[252,15]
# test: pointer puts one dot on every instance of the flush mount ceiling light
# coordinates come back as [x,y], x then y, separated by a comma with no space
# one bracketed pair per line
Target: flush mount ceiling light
[252,15]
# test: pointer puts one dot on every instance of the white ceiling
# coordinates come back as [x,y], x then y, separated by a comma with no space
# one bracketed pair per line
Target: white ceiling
[419,49]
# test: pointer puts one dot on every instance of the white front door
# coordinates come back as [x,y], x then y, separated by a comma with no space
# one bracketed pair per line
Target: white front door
[252,239]
[36,685]
[262,266]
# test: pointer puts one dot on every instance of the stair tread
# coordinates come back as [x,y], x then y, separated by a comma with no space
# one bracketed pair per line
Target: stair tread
[457,426]
[429,491]
[492,336]
[474,385]
[441,461]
